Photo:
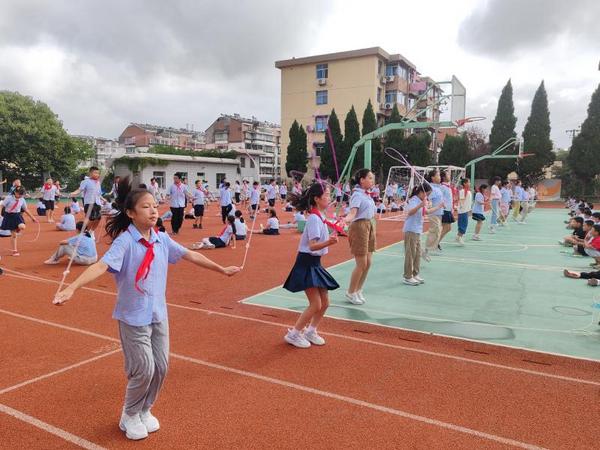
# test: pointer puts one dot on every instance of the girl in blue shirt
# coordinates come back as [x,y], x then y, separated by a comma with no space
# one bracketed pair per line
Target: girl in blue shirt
[308,274]
[139,258]
[478,210]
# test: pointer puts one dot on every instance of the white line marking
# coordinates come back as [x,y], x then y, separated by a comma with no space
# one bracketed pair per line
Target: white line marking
[342,336]
[49,428]
[57,372]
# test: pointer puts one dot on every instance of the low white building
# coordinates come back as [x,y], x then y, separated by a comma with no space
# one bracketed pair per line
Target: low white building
[105,150]
[142,167]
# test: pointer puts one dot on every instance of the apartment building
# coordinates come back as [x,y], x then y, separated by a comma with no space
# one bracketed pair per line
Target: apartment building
[312,86]
[255,141]
[138,137]
[104,150]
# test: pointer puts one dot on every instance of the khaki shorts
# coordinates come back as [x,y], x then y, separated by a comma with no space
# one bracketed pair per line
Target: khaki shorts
[361,237]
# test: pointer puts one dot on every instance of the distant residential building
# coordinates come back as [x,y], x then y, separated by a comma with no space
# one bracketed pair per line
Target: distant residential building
[312,86]
[105,150]
[138,137]
[255,141]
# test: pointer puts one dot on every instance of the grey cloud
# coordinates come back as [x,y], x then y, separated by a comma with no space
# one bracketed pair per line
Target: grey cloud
[507,27]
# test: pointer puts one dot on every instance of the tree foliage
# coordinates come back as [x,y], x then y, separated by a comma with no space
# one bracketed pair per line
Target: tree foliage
[327,166]
[455,151]
[584,156]
[536,139]
[416,149]
[503,128]
[34,143]
[351,136]
[297,156]
[369,124]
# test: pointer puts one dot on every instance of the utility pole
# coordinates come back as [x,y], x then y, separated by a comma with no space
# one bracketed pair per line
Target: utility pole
[573,132]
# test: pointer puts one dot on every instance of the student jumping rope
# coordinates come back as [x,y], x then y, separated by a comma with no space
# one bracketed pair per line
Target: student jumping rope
[465,201]
[139,258]
[308,274]
[12,220]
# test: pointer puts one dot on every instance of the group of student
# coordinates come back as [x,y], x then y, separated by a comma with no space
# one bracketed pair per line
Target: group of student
[584,239]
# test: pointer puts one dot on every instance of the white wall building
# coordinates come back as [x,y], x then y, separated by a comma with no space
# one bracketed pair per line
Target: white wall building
[105,150]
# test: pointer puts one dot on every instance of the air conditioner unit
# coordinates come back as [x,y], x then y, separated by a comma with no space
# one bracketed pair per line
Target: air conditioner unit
[388,106]
[389,78]
[322,81]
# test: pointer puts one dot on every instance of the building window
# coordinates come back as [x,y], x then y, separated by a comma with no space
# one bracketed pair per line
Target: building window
[402,72]
[390,96]
[322,71]
[379,91]
[252,165]
[321,97]
[319,148]
[242,162]
[401,98]
[379,66]
[220,178]
[160,179]
[183,176]
[200,175]
[411,103]
[320,123]
[248,146]
[391,70]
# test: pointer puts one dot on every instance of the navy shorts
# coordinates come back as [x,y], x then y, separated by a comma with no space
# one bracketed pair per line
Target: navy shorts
[478,217]
[198,210]
[448,217]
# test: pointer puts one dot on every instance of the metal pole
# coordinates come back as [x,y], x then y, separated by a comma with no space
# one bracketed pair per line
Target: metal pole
[368,154]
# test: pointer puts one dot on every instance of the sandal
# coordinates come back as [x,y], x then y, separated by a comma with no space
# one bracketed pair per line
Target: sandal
[15,253]
[197,246]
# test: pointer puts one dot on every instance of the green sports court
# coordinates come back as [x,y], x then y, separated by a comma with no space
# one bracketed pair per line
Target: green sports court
[507,289]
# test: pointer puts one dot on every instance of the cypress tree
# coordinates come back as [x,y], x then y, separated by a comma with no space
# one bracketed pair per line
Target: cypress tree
[351,135]
[297,156]
[393,139]
[327,166]
[584,156]
[416,149]
[536,138]
[503,128]
[369,124]
[455,151]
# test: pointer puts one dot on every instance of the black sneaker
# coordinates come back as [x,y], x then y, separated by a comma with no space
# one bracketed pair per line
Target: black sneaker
[194,226]
[1,271]
[200,226]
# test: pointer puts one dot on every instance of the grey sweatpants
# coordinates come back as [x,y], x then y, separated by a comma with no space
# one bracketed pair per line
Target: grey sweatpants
[68,250]
[146,351]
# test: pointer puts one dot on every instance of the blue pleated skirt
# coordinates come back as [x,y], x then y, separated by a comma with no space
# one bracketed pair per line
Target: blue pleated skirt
[307,273]
[11,221]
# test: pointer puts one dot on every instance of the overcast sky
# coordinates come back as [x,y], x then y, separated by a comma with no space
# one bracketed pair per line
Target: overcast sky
[101,65]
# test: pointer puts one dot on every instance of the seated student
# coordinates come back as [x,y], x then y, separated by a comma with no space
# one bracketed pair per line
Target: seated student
[288,207]
[189,214]
[579,248]
[166,216]
[109,209]
[394,207]
[596,217]
[41,208]
[232,211]
[587,214]
[380,207]
[227,237]
[67,221]
[298,217]
[593,247]
[576,224]
[592,277]
[272,227]
[85,254]
[75,208]
[240,226]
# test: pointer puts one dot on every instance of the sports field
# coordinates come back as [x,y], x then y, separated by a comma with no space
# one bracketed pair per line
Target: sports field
[507,289]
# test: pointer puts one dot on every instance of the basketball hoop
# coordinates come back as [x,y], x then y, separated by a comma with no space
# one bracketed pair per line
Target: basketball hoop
[524,155]
[461,122]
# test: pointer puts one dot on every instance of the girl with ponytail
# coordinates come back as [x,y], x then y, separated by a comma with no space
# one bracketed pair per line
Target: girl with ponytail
[308,274]
[139,257]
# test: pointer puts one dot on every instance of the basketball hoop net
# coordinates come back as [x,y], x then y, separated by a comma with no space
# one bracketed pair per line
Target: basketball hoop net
[461,122]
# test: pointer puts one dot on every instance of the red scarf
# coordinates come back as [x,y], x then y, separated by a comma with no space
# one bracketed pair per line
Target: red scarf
[13,207]
[144,268]
[334,225]
[47,186]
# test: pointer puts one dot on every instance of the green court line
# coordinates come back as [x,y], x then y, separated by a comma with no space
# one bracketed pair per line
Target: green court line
[510,292]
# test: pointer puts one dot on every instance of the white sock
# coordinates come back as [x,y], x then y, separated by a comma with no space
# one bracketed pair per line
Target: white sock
[311,329]
[294,332]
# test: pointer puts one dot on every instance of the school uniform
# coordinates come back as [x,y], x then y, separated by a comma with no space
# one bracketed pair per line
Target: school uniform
[307,271]
[67,223]
[12,217]
[595,250]
[413,228]
[477,214]
[447,216]
[435,218]
[91,191]
[49,196]
[254,198]
[524,204]
[495,197]
[517,201]
[240,230]
[271,194]
[223,239]
[86,253]
[177,194]
[41,208]
[75,208]
[237,192]
[505,195]
[141,310]
[198,201]
[225,202]
[272,226]
[361,234]
[465,202]
[283,191]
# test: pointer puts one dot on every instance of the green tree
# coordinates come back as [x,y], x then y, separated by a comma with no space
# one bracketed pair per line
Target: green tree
[33,141]
[503,128]
[536,139]
[327,166]
[584,156]
[455,151]
[351,135]
[393,139]
[297,156]
[369,124]
[416,149]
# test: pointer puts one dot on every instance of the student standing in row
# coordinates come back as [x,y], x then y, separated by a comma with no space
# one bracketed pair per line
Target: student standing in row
[178,193]
[435,217]
[495,197]
[225,200]
[198,200]
[49,191]
[92,198]
[465,201]
[478,211]
[448,213]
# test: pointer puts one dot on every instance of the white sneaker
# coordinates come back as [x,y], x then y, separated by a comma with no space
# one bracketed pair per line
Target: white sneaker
[133,427]
[492,231]
[354,298]
[410,281]
[361,296]
[150,422]
[296,339]
[419,279]
[461,241]
[314,338]
[434,252]
[476,237]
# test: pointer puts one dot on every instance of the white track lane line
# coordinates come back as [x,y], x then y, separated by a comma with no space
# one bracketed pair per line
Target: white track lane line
[83,443]
[276,381]
[341,336]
